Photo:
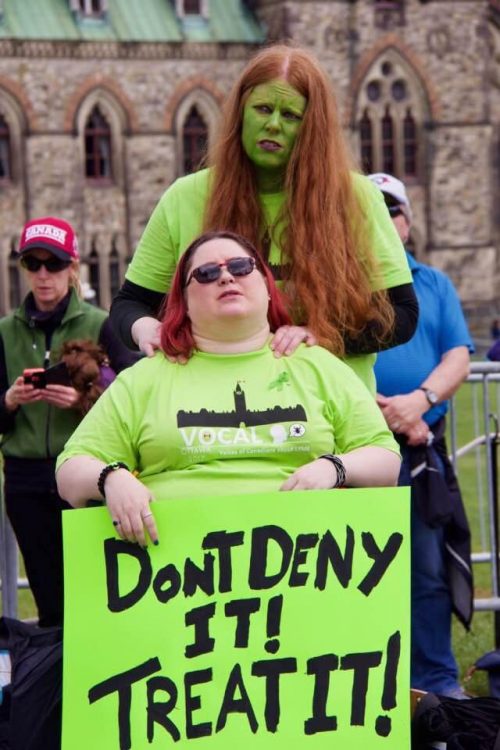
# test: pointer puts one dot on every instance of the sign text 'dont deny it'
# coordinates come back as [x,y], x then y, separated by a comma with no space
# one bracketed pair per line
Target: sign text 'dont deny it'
[234,591]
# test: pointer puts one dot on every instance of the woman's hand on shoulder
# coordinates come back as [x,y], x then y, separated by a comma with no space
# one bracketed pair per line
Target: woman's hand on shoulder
[287,338]
[128,503]
[146,334]
[316,475]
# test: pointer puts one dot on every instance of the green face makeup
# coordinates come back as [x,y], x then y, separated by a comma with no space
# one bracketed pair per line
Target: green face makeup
[271,122]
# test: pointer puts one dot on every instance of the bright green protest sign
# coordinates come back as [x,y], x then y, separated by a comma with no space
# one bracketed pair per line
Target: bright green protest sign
[273,621]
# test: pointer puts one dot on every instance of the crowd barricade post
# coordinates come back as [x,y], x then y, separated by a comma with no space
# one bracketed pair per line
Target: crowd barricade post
[10,582]
[8,564]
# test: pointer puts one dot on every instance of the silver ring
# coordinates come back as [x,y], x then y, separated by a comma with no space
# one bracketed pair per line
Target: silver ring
[146,516]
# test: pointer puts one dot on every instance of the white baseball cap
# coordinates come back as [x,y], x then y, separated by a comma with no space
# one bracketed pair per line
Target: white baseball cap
[393,187]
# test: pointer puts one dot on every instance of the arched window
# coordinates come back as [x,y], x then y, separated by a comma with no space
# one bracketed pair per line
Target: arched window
[195,138]
[5,158]
[115,280]
[13,126]
[195,122]
[98,147]
[410,145]
[387,143]
[392,109]
[366,138]
[15,290]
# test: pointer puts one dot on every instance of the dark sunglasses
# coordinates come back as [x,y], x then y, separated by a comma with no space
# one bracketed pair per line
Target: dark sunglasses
[53,265]
[209,272]
[395,211]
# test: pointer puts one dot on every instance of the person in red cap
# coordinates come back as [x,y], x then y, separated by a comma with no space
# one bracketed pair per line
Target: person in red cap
[39,408]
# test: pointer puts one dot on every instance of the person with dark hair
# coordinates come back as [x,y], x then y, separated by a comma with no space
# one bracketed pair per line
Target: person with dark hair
[414,383]
[493,352]
[39,405]
[233,419]
[280,174]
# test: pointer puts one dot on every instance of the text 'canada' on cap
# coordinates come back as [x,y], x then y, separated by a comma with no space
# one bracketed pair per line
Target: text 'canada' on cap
[52,234]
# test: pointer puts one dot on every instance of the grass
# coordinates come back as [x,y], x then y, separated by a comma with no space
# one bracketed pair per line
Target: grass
[467,646]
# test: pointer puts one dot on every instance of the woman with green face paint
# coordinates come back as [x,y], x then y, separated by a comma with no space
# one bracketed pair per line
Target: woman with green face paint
[272,118]
[281,176]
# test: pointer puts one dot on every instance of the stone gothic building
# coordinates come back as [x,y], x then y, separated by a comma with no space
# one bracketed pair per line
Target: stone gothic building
[103,103]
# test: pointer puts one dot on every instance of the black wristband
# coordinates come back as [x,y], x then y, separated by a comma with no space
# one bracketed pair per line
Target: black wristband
[107,470]
[339,468]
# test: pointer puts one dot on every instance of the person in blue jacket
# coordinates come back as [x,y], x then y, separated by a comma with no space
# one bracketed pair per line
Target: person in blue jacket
[414,382]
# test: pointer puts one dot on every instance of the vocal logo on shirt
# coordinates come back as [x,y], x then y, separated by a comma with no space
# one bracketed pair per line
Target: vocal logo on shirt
[238,426]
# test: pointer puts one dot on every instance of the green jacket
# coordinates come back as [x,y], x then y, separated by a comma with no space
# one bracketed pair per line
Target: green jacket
[41,430]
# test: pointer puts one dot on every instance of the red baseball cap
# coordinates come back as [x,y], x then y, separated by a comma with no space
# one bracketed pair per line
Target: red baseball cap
[49,233]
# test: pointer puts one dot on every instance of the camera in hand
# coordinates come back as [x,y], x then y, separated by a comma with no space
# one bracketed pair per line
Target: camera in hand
[40,378]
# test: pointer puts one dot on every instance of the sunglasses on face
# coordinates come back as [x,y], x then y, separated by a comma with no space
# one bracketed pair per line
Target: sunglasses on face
[209,272]
[53,265]
[395,211]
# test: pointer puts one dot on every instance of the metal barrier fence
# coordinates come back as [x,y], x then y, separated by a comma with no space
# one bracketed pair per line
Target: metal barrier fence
[484,384]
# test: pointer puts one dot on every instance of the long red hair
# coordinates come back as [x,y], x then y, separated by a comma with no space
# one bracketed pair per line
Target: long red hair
[330,262]
[176,336]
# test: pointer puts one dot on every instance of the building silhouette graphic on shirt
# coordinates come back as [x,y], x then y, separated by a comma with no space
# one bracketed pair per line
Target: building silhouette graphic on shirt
[240,415]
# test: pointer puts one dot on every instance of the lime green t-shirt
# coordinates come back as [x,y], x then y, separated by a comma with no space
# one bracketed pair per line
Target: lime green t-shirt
[178,218]
[226,424]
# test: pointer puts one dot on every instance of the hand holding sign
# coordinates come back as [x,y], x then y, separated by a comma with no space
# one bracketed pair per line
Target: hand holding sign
[128,502]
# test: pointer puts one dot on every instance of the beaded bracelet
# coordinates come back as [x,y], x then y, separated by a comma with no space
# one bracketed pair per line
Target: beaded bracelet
[107,470]
[339,468]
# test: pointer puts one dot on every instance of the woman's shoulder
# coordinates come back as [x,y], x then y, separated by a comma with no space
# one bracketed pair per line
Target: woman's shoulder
[364,188]
[196,182]
[7,320]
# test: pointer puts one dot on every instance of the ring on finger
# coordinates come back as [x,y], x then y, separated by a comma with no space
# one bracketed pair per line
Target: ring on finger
[146,515]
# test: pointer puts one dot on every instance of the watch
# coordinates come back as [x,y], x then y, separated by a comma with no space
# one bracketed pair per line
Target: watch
[107,470]
[431,396]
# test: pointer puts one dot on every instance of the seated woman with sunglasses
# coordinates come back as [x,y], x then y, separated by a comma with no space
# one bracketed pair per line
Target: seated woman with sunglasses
[234,419]
[36,422]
